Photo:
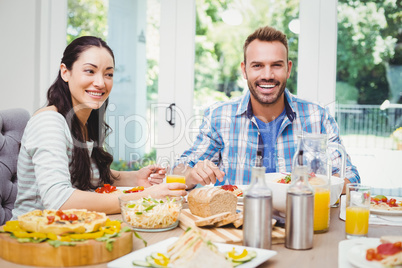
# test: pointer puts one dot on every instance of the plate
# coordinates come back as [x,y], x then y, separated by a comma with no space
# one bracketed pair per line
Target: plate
[357,254]
[388,212]
[240,199]
[140,255]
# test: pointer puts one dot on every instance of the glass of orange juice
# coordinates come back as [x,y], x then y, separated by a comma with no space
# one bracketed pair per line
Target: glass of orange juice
[321,209]
[180,178]
[357,210]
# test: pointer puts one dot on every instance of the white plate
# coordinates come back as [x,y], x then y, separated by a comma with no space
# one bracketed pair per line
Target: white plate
[241,198]
[140,255]
[388,212]
[357,254]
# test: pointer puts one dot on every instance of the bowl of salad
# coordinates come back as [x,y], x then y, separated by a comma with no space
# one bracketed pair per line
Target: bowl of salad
[150,214]
[279,183]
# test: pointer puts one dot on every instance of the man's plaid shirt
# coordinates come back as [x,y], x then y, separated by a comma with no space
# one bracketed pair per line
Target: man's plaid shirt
[229,136]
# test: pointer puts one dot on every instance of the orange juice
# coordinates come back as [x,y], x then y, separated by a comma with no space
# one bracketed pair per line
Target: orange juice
[321,210]
[175,178]
[357,221]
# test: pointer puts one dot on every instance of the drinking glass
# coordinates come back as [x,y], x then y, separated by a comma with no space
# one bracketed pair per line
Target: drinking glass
[357,210]
[179,176]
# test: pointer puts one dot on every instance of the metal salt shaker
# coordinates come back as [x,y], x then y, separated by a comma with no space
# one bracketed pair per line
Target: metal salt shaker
[257,219]
[299,221]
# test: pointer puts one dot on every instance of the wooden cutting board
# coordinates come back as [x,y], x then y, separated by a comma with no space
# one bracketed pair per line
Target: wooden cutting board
[43,254]
[225,234]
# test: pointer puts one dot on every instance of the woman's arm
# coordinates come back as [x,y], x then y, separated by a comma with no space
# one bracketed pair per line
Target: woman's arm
[155,173]
[109,203]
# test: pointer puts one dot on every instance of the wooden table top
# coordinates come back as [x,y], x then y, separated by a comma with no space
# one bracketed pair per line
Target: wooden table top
[323,254]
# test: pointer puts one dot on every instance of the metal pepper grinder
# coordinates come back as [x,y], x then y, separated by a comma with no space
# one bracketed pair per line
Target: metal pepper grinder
[299,222]
[257,219]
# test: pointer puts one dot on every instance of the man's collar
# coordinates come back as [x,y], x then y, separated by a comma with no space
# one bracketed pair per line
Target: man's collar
[245,105]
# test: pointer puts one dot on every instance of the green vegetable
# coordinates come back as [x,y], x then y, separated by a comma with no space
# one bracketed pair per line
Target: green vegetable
[58,243]
[150,207]
[141,264]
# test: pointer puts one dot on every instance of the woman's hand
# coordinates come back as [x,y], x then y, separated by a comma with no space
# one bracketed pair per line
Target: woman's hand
[165,189]
[155,173]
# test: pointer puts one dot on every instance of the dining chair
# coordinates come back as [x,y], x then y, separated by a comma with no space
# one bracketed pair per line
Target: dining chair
[12,124]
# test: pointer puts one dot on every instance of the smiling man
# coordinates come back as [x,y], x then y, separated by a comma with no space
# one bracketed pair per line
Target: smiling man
[267,118]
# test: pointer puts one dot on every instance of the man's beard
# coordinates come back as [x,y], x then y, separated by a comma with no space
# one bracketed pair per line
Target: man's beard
[266,99]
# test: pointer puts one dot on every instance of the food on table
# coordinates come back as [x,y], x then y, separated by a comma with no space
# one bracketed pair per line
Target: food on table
[64,227]
[218,220]
[62,221]
[150,213]
[193,250]
[241,257]
[211,220]
[108,189]
[381,202]
[286,180]
[230,219]
[388,253]
[134,190]
[208,201]
[312,179]
[234,189]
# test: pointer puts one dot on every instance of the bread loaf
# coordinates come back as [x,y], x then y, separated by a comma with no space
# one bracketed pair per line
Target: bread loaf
[208,201]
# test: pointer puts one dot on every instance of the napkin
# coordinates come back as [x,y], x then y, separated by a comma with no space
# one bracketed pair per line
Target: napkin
[374,218]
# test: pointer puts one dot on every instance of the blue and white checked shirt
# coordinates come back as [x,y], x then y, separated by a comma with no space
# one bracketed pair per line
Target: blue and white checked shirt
[229,136]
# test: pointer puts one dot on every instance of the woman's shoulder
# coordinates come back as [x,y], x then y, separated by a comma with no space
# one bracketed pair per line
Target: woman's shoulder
[46,109]
[47,116]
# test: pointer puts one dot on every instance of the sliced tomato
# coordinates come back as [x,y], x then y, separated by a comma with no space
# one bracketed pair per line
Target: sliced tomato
[50,219]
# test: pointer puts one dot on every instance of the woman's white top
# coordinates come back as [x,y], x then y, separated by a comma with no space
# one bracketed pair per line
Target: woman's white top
[44,180]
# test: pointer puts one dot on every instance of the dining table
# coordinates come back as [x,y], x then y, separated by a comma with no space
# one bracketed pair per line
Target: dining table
[323,254]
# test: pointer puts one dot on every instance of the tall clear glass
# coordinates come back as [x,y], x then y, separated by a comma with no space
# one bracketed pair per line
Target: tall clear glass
[319,168]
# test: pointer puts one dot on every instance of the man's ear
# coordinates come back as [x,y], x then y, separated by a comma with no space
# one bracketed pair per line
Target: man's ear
[243,70]
[290,63]
[65,74]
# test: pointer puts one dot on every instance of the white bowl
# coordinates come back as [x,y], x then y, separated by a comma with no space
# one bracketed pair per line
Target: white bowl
[279,190]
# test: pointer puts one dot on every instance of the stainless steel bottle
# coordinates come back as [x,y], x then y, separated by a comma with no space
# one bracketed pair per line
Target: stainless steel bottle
[299,221]
[257,219]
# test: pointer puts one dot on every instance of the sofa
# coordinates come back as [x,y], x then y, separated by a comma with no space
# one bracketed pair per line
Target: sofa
[12,124]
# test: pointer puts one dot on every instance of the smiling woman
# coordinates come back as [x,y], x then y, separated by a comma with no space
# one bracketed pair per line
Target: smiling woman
[63,159]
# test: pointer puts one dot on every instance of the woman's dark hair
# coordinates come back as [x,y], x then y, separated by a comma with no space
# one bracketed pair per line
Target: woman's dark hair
[59,95]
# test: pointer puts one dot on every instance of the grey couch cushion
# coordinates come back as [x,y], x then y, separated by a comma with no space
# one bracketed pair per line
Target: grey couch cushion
[12,124]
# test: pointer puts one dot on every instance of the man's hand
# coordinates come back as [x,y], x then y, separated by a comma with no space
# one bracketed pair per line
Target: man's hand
[204,173]
[344,186]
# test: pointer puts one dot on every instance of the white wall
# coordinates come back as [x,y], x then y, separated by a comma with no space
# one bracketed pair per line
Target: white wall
[316,79]
[33,37]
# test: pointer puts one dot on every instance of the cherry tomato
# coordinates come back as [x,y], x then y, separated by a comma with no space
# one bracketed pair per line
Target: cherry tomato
[378,257]
[59,213]
[73,217]
[50,219]
[392,202]
[64,217]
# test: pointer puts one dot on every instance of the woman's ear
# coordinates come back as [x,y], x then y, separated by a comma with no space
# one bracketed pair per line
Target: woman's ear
[64,72]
